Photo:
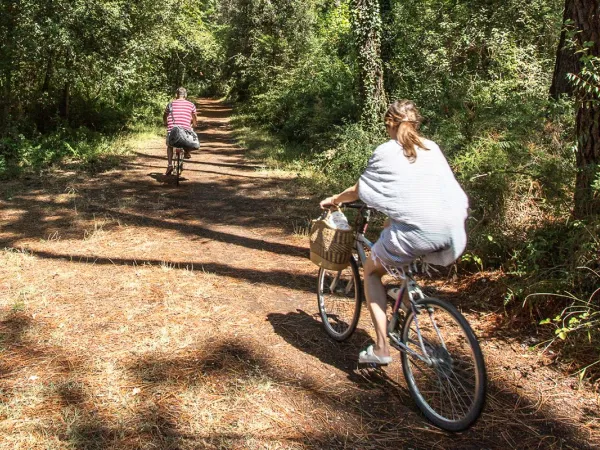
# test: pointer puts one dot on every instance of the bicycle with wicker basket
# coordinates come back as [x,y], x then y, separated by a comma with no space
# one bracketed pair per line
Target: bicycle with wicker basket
[441,358]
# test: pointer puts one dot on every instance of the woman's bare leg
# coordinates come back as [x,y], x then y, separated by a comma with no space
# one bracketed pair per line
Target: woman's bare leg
[377,302]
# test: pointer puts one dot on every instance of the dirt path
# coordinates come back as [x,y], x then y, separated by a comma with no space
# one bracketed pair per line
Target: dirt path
[135,314]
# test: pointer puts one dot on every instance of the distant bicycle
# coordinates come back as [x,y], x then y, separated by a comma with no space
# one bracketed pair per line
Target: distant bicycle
[178,157]
[442,361]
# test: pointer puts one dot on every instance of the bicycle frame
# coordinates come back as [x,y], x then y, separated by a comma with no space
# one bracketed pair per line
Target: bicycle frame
[408,285]
[415,329]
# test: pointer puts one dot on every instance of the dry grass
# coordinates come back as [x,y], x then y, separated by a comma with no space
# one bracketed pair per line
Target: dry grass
[158,318]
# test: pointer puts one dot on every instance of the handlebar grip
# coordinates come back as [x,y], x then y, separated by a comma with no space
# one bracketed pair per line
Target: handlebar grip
[354,205]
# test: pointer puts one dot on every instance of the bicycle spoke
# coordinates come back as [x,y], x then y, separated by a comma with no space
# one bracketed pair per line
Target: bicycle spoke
[468,392]
[334,282]
[349,287]
[437,330]
[438,388]
[448,388]
[458,397]
[339,301]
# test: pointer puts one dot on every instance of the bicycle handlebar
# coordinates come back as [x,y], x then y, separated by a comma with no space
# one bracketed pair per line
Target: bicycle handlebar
[356,205]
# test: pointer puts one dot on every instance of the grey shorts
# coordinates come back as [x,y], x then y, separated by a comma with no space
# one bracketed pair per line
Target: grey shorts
[399,245]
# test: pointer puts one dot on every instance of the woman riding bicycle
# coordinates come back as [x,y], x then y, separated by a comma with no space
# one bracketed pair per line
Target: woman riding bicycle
[409,180]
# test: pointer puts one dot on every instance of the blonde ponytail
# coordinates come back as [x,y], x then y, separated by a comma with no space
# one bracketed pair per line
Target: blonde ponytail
[403,115]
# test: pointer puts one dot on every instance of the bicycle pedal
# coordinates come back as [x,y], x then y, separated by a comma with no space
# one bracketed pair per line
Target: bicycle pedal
[393,293]
[370,365]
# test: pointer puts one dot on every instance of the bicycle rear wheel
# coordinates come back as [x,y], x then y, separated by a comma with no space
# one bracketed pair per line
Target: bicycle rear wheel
[178,165]
[450,385]
[339,294]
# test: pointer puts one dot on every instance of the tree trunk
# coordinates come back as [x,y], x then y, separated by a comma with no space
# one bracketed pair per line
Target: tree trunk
[65,105]
[566,60]
[587,22]
[48,74]
[367,31]
[587,203]
[9,18]
[43,109]
[64,109]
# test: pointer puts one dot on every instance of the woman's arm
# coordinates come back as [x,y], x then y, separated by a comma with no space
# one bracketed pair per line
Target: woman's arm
[349,195]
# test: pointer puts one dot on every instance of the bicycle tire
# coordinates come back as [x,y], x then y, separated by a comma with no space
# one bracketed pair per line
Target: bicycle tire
[470,391]
[340,313]
[178,166]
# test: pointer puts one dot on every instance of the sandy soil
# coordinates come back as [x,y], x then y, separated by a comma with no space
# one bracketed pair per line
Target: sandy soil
[138,314]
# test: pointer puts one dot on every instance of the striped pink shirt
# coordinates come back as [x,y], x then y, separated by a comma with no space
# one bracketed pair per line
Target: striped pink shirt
[182,113]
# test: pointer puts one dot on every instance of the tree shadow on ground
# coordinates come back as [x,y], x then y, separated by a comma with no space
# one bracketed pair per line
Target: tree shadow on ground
[39,218]
[194,211]
[230,372]
[305,332]
[228,367]
[279,278]
[199,161]
[505,417]
[162,178]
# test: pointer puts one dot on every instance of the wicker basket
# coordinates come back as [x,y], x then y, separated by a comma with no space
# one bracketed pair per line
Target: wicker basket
[330,248]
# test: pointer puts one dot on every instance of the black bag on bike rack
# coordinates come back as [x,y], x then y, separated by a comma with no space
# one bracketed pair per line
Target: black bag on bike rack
[180,136]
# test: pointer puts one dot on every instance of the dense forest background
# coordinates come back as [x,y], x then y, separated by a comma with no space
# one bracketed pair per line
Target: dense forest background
[509,89]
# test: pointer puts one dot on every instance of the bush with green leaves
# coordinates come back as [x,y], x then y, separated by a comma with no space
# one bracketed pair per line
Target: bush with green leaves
[576,325]
[81,148]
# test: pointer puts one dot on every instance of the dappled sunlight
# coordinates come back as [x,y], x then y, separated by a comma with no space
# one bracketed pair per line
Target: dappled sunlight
[137,314]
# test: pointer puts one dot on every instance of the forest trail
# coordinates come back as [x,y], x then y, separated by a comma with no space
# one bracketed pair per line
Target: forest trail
[138,314]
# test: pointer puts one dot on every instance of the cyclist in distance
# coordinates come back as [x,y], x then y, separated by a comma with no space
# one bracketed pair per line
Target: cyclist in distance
[183,114]
[409,180]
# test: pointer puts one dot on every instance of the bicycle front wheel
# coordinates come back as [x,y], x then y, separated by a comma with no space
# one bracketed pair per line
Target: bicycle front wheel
[339,295]
[445,370]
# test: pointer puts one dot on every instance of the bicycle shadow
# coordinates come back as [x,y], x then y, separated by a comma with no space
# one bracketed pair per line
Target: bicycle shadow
[165,179]
[305,332]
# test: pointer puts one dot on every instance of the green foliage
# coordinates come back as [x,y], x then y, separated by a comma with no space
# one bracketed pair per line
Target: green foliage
[348,156]
[367,24]
[94,63]
[587,81]
[304,105]
[479,71]
[83,148]
[301,96]
[472,259]
[76,74]
[262,40]
[577,324]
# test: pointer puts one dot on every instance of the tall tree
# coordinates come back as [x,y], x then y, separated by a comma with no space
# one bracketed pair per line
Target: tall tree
[587,82]
[566,60]
[367,30]
[8,31]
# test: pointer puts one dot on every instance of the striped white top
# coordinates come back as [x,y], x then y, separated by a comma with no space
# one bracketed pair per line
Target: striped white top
[182,113]
[424,201]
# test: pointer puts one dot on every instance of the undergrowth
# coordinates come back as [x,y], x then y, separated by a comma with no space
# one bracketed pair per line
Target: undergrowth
[575,326]
[78,147]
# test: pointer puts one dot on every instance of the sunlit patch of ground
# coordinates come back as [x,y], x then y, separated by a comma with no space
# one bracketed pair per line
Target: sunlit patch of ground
[136,314]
